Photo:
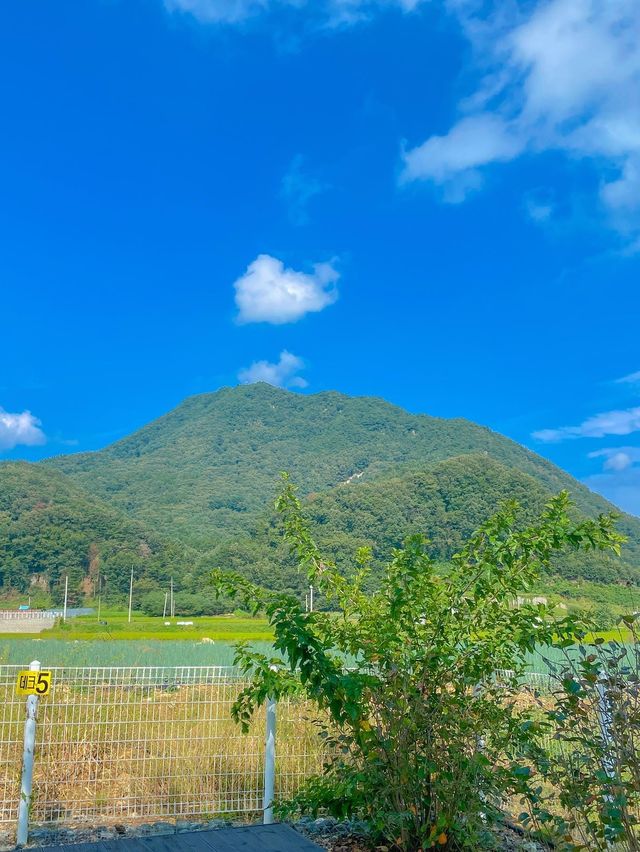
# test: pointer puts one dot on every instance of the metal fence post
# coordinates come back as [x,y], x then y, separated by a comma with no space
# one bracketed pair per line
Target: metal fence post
[604,711]
[605,721]
[269,763]
[27,764]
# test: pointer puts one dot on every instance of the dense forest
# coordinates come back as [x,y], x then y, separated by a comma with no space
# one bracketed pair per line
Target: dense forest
[195,489]
[211,466]
[50,528]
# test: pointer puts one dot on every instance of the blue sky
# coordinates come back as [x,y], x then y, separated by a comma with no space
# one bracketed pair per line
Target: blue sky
[435,202]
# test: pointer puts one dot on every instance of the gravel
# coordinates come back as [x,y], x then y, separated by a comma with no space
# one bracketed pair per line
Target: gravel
[333,835]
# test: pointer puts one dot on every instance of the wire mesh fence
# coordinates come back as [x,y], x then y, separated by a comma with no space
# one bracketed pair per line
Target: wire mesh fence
[116,743]
[128,743]
[12,716]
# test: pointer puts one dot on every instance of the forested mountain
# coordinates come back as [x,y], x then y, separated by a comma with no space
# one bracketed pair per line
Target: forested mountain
[195,489]
[49,528]
[448,502]
[208,468]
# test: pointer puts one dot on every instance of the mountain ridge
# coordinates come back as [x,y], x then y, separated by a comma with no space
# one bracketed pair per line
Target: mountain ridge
[200,481]
[321,439]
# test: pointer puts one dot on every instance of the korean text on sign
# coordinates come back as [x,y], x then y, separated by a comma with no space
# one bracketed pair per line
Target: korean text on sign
[33,683]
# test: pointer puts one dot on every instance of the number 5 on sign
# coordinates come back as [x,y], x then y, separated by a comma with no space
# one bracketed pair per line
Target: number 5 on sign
[33,683]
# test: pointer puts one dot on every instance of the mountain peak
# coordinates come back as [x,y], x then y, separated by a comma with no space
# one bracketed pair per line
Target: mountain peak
[206,473]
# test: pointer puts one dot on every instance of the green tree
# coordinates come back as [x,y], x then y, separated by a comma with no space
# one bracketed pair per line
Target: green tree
[398,671]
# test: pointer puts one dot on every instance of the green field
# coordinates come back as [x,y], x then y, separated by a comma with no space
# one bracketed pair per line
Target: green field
[129,652]
[115,625]
[148,641]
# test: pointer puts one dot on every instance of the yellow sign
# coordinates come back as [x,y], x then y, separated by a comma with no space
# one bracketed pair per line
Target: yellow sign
[33,683]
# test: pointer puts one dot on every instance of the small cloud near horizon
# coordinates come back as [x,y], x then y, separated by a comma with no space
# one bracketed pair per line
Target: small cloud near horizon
[282,374]
[617,422]
[20,429]
[617,458]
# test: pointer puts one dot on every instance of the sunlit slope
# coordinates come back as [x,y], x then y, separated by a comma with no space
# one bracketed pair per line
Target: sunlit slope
[51,528]
[194,489]
[207,469]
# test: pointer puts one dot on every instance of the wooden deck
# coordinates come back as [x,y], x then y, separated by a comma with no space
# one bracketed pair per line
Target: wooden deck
[254,838]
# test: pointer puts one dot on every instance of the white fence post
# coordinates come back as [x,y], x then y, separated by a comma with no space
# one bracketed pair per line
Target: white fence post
[27,765]
[605,721]
[269,763]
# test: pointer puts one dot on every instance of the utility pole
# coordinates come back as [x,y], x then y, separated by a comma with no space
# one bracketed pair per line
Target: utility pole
[164,611]
[172,607]
[130,593]
[310,598]
[66,592]
[99,594]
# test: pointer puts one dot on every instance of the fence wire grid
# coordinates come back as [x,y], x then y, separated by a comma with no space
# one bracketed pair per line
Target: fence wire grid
[116,743]
[127,743]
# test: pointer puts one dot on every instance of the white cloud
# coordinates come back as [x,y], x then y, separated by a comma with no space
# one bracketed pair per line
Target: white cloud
[618,461]
[617,458]
[472,142]
[621,422]
[268,292]
[282,374]
[620,481]
[557,75]
[20,429]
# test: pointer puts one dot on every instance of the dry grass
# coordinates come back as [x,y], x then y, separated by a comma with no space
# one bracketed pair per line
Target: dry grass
[107,749]
[127,744]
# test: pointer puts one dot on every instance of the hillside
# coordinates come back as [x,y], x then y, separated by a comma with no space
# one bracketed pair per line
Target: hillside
[206,470]
[447,502]
[49,527]
[194,490]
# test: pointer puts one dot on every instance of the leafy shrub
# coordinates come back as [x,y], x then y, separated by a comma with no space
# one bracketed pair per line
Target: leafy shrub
[397,672]
[594,764]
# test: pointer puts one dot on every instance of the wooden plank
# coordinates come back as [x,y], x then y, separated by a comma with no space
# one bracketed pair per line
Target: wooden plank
[253,838]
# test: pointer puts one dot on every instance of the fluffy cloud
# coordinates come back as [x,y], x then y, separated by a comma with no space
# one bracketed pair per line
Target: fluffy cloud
[557,75]
[268,292]
[19,429]
[282,374]
[621,422]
